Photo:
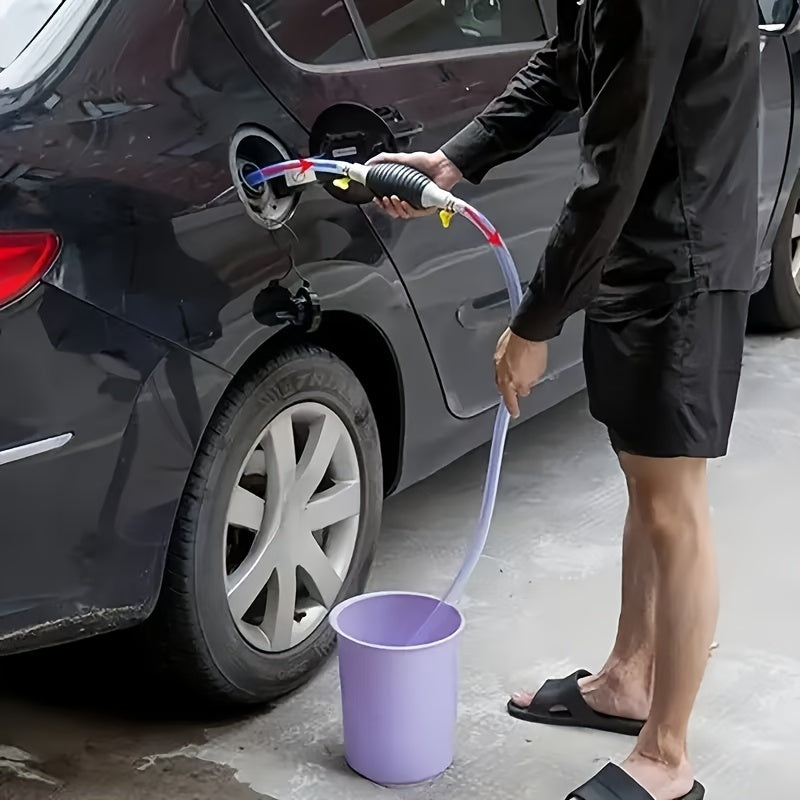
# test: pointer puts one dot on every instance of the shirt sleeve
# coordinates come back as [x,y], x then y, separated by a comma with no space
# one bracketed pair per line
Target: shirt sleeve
[535,101]
[639,50]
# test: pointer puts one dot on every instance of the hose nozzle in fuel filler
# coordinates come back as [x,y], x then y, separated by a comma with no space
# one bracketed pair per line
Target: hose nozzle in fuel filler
[383,180]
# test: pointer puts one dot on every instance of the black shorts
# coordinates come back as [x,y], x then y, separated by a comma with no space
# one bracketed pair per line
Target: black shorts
[665,383]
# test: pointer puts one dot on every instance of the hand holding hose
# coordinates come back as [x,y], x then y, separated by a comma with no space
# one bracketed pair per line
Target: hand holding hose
[437,166]
[519,365]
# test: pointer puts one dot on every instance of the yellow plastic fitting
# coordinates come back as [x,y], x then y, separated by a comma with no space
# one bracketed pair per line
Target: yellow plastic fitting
[342,183]
[446,217]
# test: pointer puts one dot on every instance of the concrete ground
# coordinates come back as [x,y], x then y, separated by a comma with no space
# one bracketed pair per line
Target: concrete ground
[543,602]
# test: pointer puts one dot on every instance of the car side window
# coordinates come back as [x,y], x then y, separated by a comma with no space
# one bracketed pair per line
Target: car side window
[776,12]
[411,27]
[311,31]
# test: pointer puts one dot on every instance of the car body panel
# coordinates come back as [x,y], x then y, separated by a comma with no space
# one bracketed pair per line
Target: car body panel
[147,191]
[776,129]
[155,246]
[453,280]
[791,169]
[85,525]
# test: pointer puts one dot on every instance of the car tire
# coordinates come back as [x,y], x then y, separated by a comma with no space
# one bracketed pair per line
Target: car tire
[776,307]
[209,648]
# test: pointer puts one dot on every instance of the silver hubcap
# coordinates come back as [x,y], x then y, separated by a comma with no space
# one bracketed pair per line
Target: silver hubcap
[292,527]
[796,251]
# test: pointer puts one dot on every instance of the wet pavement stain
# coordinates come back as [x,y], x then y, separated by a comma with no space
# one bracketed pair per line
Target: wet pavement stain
[75,725]
[96,776]
[69,754]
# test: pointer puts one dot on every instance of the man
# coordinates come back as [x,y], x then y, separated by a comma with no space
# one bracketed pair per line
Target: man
[657,243]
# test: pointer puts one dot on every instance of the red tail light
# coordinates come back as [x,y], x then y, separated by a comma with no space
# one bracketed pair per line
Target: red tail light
[25,256]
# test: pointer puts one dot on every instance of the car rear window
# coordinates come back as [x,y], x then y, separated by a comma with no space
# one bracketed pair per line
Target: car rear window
[20,23]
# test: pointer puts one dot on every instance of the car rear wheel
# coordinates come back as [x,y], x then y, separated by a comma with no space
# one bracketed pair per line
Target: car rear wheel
[777,306]
[278,523]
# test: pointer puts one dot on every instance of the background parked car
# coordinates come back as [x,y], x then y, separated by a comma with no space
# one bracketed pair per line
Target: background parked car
[174,454]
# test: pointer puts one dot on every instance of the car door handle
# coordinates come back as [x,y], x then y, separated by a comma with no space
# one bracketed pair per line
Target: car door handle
[489,309]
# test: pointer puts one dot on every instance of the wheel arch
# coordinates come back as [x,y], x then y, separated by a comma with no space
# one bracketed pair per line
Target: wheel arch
[353,338]
[366,350]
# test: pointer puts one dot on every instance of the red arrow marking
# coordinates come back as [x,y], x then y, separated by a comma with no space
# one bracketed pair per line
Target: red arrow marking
[492,236]
[305,165]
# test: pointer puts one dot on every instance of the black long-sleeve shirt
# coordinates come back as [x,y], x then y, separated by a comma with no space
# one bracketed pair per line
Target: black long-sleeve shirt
[666,197]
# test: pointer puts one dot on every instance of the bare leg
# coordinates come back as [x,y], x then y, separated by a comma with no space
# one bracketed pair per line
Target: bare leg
[671,496]
[623,687]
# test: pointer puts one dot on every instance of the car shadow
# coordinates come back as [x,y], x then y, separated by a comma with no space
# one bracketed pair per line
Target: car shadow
[106,675]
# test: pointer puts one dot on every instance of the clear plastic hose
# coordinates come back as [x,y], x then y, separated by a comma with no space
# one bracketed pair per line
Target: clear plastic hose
[501,423]
[302,165]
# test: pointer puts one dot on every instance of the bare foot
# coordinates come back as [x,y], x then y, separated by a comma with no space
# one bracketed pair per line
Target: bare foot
[606,694]
[616,695]
[662,781]
[616,692]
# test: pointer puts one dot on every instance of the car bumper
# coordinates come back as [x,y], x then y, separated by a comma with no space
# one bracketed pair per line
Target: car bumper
[99,423]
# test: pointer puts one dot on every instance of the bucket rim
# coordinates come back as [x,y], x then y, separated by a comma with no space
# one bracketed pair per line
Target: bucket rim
[333,621]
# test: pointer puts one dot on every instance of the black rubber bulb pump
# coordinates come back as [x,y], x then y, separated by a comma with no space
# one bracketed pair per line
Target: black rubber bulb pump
[400,180]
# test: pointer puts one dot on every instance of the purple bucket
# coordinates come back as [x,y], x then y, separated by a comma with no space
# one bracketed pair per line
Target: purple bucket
[399,702]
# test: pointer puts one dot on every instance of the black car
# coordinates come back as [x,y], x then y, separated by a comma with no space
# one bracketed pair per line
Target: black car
[208,389]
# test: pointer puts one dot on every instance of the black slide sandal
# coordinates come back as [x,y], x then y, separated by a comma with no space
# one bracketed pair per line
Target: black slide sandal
[613,783]
[566,693]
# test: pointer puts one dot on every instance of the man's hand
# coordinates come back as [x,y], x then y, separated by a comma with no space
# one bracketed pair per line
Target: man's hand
[437,166]
[519,366]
